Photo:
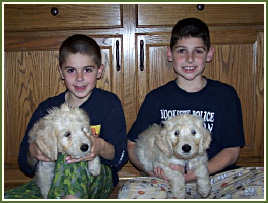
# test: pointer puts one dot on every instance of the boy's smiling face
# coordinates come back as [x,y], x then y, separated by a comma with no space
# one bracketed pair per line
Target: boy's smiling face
[189,56]
[80,73]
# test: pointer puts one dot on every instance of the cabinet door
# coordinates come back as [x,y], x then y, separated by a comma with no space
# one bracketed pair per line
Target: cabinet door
[30,17]
[238,61]
[31,76]
[149,15]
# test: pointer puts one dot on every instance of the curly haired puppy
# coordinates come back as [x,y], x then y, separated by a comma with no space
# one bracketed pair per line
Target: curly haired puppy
[180,140]
[64,130]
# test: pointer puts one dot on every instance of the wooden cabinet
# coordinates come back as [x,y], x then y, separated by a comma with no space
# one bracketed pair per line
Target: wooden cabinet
[33,17]
[134,41]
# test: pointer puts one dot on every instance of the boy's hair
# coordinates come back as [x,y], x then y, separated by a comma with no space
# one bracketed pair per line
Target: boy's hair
[190,27]
[80,44]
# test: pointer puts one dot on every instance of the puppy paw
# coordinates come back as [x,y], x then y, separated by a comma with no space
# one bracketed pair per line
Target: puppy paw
[95,171]
[204,191]
[178,194]
[94,166]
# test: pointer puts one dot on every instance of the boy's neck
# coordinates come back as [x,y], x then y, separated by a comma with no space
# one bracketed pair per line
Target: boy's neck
[193,85]
[73,101]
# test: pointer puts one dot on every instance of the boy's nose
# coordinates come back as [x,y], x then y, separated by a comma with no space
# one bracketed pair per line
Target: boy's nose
[190,57]
[79,75]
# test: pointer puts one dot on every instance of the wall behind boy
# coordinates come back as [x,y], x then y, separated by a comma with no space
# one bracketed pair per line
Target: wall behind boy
[134,40]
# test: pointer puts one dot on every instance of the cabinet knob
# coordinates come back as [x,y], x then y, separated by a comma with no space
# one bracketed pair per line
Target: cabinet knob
[54,11]
[200,7]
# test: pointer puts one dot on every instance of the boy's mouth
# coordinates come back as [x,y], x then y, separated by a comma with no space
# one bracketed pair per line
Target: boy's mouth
[189,69]
[80,88]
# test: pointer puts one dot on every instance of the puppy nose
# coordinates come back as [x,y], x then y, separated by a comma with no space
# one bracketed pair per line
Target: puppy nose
[84,147]
[186,148]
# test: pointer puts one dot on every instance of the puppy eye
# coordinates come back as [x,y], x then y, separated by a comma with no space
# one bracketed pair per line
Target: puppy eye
[162,125]
[67,134]
[176,133]
[193,132]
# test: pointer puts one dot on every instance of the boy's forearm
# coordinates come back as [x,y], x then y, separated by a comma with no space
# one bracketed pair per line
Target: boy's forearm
[224,158]
[108,151]
[132,156]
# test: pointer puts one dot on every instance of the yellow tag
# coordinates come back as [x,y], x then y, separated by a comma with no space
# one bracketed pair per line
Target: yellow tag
[95,129]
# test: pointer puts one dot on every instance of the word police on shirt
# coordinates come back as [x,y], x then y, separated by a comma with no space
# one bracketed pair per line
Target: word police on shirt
[207,116]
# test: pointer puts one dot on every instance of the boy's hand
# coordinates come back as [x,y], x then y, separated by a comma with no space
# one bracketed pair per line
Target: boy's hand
[176,167]
[97,146]
[158,172]
[36,153]
[89,157]
[189,176]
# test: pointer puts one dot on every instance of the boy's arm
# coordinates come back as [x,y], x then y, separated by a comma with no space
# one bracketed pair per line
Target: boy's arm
[157,172]
[114,150]
[23,158]
[132,155]
[223,159]
[147,115]
[106,150]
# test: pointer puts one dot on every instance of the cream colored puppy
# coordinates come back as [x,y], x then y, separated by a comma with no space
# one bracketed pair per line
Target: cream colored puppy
[64,130]
[180,140]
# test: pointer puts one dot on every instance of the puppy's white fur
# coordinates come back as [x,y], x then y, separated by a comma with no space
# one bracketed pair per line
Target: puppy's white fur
[180,140]
[64,130]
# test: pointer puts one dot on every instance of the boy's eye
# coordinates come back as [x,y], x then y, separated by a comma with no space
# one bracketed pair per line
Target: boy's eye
[70,70]
[89,69]
[199,51]
[181,51]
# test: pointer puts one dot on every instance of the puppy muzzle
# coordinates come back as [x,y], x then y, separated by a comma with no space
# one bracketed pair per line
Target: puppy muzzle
[84,147]
[185,151]
[186,148]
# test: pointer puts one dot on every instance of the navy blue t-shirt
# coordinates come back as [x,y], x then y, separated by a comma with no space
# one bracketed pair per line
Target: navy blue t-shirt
[217,103]
[104,109]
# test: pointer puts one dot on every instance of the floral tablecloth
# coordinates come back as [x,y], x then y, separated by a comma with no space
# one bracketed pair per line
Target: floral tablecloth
[241,183]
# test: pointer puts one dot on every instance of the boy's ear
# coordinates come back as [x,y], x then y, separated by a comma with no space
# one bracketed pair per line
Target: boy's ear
[169,55]
[210,54]
[61,74]
[100,71]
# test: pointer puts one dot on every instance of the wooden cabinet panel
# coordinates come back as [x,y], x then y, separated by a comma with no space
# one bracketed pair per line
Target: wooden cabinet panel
[212,14]
[112,78]
[157,71]
[26,17]
[30,77]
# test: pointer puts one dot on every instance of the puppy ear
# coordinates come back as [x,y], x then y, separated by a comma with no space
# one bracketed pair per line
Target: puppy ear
[166,125]
[48,145]
[162,142]
[205,141]
[45,137]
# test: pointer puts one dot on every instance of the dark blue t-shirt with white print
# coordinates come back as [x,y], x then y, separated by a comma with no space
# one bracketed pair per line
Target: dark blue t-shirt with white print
[217,103]
[104,110]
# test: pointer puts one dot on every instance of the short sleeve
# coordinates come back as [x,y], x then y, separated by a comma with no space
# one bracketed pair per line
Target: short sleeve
[147,115]
[114,132]
[232,123]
